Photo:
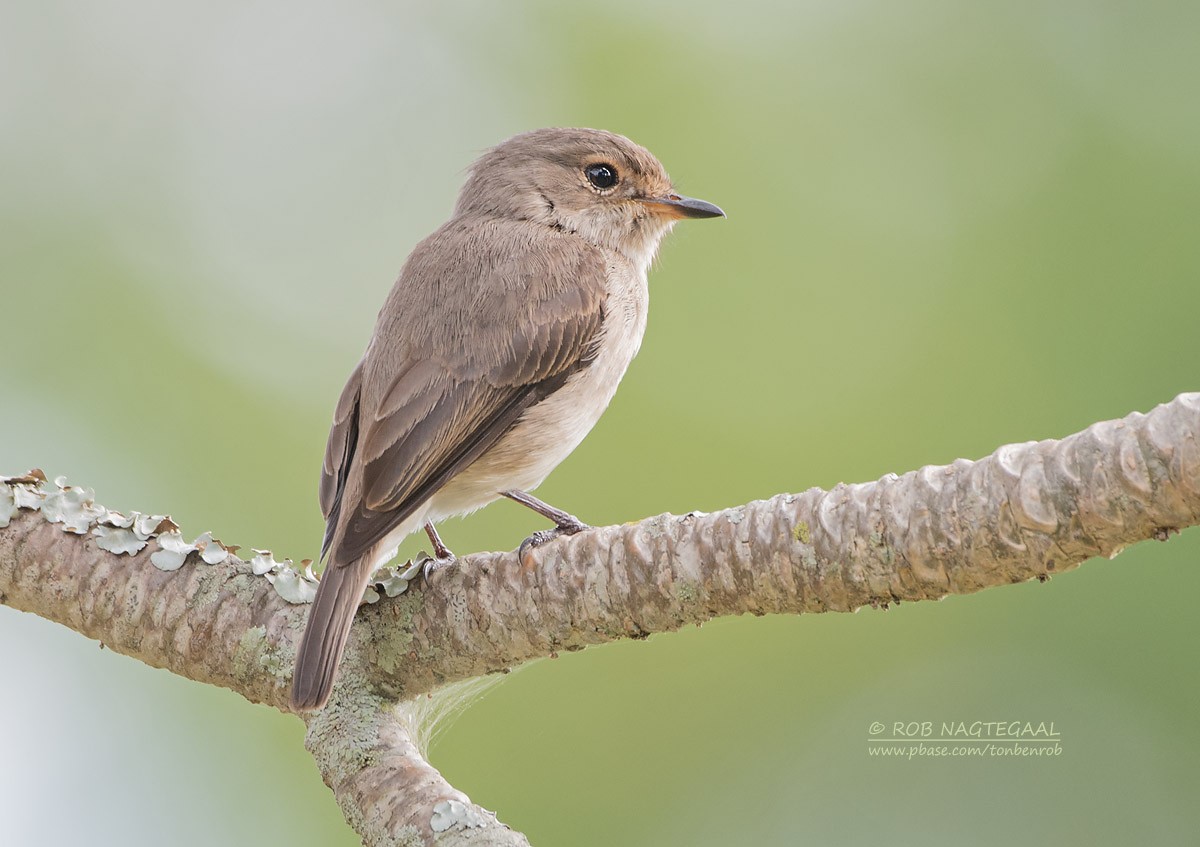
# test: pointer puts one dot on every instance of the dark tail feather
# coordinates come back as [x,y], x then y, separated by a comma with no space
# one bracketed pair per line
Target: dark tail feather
[325,636]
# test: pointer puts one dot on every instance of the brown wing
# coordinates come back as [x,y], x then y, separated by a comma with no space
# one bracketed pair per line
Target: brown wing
[339,450]
[511,312]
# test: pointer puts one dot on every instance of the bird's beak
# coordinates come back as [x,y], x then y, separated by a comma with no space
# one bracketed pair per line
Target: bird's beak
[676,206]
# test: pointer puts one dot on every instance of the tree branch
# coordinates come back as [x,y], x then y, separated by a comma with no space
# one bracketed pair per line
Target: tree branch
[1027,511]
[367,753]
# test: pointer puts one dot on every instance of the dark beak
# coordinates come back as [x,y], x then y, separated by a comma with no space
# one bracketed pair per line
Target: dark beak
[677,206]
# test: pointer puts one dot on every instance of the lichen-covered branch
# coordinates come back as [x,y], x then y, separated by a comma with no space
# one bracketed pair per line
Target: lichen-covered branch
[366,750]
[213,623]
[1027,511]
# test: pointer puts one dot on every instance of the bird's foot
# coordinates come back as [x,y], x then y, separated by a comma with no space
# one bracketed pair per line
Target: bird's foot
[566,527]
[432,564]
[435,563]
[442,555]
[424,565]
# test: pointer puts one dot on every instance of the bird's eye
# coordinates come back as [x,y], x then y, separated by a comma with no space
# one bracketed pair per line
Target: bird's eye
[602,176]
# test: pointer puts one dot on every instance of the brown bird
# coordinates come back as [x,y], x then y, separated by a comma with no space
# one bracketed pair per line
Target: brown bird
[499,347]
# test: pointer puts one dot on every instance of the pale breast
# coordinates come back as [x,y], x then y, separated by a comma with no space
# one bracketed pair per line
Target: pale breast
[548,432]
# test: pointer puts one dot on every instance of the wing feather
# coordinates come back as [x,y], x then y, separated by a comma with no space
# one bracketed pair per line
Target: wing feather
[339,453]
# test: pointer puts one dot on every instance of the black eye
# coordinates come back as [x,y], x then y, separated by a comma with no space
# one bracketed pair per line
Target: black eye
[601,176]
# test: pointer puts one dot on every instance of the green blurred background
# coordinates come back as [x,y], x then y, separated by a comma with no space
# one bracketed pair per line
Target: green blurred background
[951,226]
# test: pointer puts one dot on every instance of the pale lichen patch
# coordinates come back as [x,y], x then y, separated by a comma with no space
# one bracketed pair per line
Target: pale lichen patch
[263,562]
[34,477]
[72,506]
[293,586]
[211,585]
[212,551]
[75,509]
[117,519]
[148,526]
[117,539]
[449,813]
[20,492]
[27,497]
[172,551]
[392,645]
[254,655]
[408,836]
[8,505]
[653,528]
[390,581]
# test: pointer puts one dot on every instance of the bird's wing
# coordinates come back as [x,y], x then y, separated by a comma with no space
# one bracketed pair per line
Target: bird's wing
[339,450]
[481,325]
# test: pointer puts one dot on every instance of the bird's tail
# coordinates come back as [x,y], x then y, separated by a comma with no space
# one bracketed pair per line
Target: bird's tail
[324,639]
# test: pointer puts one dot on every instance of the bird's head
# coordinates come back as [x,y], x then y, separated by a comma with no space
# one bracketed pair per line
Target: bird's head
[596,184]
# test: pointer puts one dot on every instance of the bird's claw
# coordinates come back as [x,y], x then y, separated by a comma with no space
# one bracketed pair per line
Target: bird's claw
[425,565]
[436,564]
[544,535]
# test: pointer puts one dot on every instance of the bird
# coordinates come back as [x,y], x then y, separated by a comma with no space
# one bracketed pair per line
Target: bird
[496,351]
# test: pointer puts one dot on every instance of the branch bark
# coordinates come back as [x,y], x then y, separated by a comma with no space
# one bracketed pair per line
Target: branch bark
[1027,511]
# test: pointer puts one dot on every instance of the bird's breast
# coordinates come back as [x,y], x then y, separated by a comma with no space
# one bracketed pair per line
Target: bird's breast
[548,431]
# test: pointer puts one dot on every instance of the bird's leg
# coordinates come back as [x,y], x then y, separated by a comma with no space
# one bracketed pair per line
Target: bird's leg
[442,553]
[564,522]
[439,547]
